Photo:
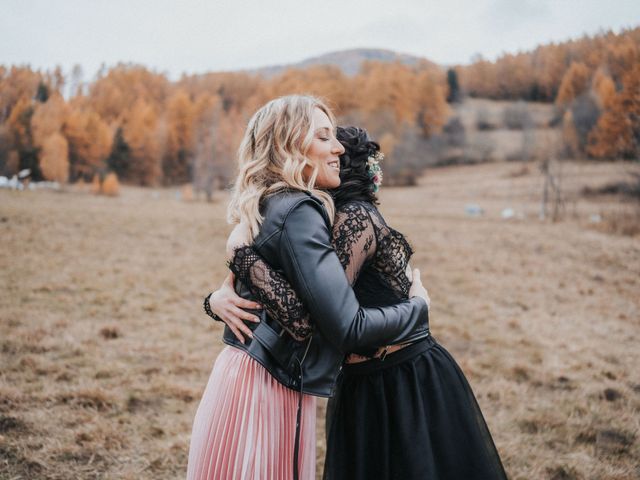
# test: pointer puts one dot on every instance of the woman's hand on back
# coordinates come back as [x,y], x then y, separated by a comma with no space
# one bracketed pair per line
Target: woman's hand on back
[228,305]
[225,302]
[418,290]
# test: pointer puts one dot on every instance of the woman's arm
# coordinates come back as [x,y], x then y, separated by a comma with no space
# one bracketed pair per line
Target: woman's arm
[224,302]
[354,241]
[315,272]
[273,291]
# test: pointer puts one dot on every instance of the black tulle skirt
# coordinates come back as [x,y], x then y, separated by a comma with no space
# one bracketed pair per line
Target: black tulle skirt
[410,416]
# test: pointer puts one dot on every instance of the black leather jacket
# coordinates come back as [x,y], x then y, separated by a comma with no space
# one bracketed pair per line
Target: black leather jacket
[295,239]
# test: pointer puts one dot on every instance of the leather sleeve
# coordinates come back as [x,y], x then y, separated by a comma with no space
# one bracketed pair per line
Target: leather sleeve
[312,266]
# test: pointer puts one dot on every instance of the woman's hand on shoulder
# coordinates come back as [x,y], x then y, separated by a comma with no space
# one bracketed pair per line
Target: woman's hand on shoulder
[228,305]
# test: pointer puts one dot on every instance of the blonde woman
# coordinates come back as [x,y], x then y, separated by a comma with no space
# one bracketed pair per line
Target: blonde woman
[256,419]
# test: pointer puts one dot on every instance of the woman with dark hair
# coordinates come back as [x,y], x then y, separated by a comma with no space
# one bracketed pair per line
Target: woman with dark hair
[402,411]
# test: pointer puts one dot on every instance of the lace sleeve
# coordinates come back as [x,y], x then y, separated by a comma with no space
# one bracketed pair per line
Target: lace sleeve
[354,238]
[354,242]
[392,255]
[272,290]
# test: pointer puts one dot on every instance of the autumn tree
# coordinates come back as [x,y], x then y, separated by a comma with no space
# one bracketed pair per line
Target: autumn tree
[54,158]
[431,107]
[117,90]
[218,137]
[603,88]
[89,140]
[16,84]
[110,185]
[22,92]
[178,156]
[621,54]
[574,83]
[389,87]
[21,137]
[48,118]
[8,165]
[617,133]
[137,150]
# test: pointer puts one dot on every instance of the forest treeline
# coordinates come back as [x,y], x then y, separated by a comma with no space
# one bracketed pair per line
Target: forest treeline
[538,75]
[149,130]
[594,82]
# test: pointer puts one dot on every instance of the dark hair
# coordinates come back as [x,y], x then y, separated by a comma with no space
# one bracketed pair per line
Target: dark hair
[355,183]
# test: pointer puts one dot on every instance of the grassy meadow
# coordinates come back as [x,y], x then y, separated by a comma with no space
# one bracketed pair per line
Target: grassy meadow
[105,350]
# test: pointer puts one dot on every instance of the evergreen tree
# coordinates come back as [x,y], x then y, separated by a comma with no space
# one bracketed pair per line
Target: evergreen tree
[42,95]
[119,157]
[454,87]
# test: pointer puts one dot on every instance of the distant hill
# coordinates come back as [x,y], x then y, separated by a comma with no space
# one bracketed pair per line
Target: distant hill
[348,61]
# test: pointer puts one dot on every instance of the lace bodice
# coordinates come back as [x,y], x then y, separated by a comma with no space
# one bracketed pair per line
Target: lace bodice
[373,255]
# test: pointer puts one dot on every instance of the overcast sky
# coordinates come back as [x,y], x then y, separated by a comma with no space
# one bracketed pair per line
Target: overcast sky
[195,36]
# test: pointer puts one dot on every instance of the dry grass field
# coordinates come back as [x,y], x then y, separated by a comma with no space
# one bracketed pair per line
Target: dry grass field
[105,350]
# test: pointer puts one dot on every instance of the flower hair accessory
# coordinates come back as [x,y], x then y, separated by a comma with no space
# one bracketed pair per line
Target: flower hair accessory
[374,171]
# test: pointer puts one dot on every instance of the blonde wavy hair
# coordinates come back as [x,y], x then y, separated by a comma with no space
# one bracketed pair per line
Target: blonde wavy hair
[272,156]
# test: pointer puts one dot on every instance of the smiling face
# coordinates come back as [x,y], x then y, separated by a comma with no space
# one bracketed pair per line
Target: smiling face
[324,152]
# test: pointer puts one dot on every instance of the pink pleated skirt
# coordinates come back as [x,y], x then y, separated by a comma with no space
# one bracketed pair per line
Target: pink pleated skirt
[245,425]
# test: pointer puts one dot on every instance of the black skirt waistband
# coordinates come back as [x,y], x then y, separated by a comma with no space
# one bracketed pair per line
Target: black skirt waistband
[392,359]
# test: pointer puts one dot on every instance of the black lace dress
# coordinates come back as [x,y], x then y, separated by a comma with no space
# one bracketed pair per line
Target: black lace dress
[408,415]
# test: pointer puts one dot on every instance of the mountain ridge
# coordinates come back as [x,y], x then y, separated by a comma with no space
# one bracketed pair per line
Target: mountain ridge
[349,60]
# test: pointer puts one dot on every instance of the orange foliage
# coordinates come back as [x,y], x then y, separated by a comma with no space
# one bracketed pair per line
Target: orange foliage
[537,75]
[236,90]
[432,108]
[604,88]
[387,87]
[180,117]
[113,94]
[54,159]
[574,83]
[324,81]
[19,123]
[591,76]
[17,83]
[144,139]
[150,131]
[110,185]
[90,140]
[617,133]
[48,119]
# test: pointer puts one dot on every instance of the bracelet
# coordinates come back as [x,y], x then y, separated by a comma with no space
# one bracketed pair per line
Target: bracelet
[207,309]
